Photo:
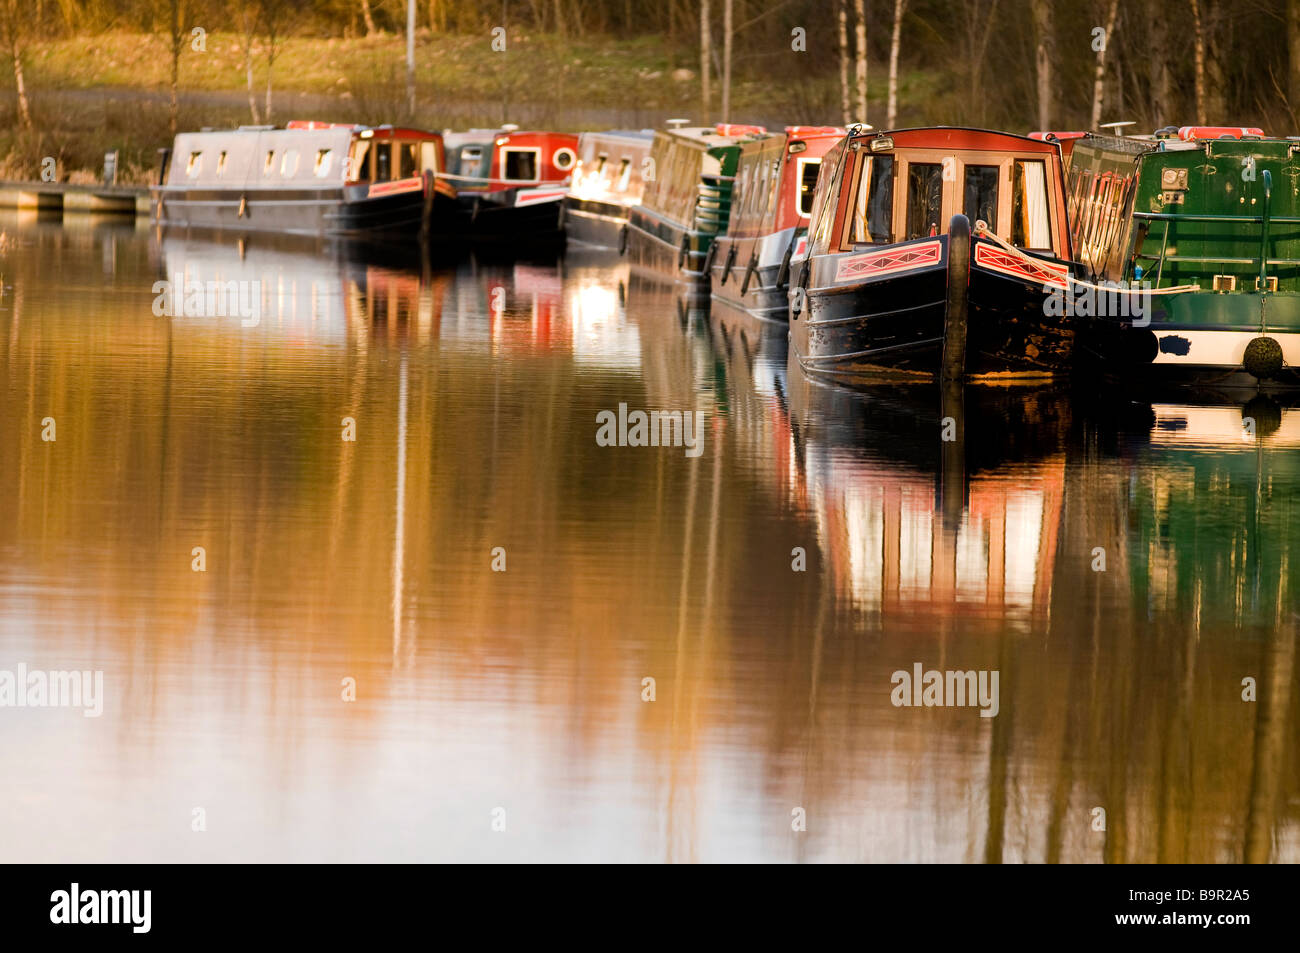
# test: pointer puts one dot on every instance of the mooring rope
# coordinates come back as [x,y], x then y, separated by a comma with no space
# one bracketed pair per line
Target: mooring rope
[982,229]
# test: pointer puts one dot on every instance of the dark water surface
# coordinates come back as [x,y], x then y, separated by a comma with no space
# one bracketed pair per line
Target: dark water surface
[475,388]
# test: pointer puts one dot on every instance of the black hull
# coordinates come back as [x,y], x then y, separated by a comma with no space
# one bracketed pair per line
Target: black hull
[664,251]
[479,218]
[892,328]
[599,224]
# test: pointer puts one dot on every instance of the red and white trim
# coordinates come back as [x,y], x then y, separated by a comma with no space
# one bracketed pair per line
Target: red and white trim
[992,258]
[889,260]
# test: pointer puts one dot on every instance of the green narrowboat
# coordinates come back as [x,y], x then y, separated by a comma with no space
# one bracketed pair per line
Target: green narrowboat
[1200,228]
[686,203]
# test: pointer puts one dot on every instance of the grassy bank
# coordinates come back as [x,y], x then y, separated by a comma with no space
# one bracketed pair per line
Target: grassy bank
[91,94]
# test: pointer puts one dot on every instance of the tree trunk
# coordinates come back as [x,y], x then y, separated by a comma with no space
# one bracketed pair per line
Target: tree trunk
[1200,63]
[891,117]
[860,59]
[365,14]
[410,57]
[1293,49]
[1099,83]
[726,60]
[1045,59]
[24,108]
[844,61]
[1158,64]
[269,63]
[248,73]
[706,52]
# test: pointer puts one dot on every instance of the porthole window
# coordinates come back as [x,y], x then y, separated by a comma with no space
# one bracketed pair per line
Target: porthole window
[564,159]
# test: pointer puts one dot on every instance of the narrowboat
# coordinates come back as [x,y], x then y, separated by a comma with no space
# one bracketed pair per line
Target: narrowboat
[1202,226]
[687,202]
[508,185]
[933,254]
[308,178]
[607,182]
[776,179]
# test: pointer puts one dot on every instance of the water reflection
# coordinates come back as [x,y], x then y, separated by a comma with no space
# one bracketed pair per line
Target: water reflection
[473,386]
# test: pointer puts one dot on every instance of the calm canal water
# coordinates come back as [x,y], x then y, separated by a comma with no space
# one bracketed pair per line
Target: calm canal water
[1122,569]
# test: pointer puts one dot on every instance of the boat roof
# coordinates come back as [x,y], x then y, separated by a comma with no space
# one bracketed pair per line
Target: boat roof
[723,134]
[385,131]
[956,137]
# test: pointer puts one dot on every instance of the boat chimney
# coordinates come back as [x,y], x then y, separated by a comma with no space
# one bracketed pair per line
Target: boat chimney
[677,123]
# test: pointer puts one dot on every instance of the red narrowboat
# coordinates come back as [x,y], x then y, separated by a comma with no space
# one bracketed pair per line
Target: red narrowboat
[932,254]
[505,185]
[771,205]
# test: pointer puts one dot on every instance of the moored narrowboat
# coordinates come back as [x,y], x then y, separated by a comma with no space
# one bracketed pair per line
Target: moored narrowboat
[308,178]
[507,185]
[607,183]
[687,203]
[1201,224]
[933,253]
[776,179]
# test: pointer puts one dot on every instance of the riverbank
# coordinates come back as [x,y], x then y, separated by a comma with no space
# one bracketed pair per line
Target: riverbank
[111,91]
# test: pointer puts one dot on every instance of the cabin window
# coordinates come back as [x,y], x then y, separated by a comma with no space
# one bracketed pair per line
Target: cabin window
[1030,220]
[520,164]
[289,164]
[471,158]
[324,159]
[408,159]
[924,199]
[358,170]
[428,157]
[194,165]
[564,158]
[807,175]
[383,165]
[873,216]
[624,173]
[600,163]
[981,194]
[269,165]
[221,163]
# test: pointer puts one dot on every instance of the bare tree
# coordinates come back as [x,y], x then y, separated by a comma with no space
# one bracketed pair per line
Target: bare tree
[1293,50]
[248,21]
[844,61]
[278,18]
[860,58]
[706,51]
[14,22]
[726,59]
[900,8]
[1200,62]
[1099,82]
[1044,61]
[368,17]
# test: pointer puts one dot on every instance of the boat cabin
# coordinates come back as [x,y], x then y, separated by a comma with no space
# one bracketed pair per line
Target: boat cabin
[1207,205]
[885,188]
[380,154]
[492,160]
[776,180]
[694,168]
[610,166]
